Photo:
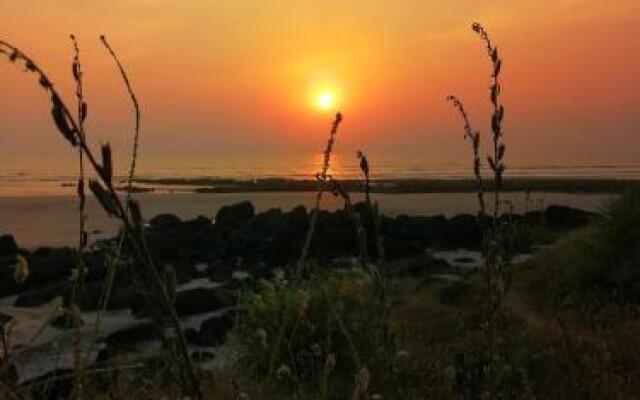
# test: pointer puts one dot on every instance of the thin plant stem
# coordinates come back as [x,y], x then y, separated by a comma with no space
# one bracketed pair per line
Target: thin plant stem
[136,108]
[79,282]
[110,201]
[321,178]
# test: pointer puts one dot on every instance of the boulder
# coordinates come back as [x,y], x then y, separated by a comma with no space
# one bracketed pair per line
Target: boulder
[120,297]
[419,266]
[200,356]
[38,296]
[425,230]
[4,319]
[564,218]
[8,246]
[334,236]
[463,230]
[164,221]
[396,248]
[221,271]
[66,321]
[201,300]
[213,331]
[128,338]
[50,265]
[232,216]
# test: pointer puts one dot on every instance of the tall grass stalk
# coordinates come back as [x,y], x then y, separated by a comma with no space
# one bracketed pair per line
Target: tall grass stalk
[105,193]
[496,247]
[321,179]
[361,235]
[496,162]
[115,260]
[364,168]
[136,109]
[473,136]
[496,238]
[373,209]
[76,304]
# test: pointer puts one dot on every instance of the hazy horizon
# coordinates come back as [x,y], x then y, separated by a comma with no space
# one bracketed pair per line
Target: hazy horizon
[219,81]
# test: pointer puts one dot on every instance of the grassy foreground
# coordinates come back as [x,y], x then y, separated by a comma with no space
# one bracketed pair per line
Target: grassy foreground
[570,331]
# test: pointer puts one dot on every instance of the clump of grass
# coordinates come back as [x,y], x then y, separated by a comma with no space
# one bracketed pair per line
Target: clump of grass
[72,130]
[331,332]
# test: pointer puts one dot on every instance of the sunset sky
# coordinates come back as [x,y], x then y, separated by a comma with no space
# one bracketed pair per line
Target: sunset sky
[222,78]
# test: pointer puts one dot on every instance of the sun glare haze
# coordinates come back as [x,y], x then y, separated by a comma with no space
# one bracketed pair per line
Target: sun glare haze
[265,199]
[325,100]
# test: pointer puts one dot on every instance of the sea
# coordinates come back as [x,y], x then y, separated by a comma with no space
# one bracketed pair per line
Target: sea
[38,206]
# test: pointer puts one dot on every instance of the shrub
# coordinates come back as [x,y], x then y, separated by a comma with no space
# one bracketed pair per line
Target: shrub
[613,263]
[306,336]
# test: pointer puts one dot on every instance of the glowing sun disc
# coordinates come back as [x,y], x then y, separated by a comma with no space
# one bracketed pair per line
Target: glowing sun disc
[325,100]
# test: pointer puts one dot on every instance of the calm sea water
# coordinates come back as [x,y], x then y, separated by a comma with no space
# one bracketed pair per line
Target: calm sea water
[17,180]
[38,206]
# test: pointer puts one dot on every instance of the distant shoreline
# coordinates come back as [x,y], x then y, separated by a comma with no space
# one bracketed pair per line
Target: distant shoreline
[391,186]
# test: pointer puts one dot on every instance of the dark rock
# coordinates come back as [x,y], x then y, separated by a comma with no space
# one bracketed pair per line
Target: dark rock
[425,230]
[127,338]
[232,216]
[67,321]
[407,236]
[183,244]
[8,285]
[37,297]
[335,236]
[49,265]
[213,331]
[191,335]
[8,246]
[289,237]
[221,271]
[164,221]
[563,218]
[120,297]
[419,266]
[202,356]
[397,249]
[464,260]
[4,319]
[200,300]
[463,230]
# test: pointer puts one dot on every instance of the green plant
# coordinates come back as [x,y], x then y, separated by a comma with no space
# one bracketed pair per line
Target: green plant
[313,336]
[605,270]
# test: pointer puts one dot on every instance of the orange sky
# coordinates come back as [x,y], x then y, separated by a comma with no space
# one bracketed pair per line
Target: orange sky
[227,77]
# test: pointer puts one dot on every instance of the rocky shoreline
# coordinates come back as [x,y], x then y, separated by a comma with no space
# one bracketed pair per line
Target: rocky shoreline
[211,259]
[397,186]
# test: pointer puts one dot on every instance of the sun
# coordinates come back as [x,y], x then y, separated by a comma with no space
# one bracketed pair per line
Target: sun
[325,100]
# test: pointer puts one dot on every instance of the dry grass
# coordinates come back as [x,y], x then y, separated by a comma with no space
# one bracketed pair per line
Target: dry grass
[72,130]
